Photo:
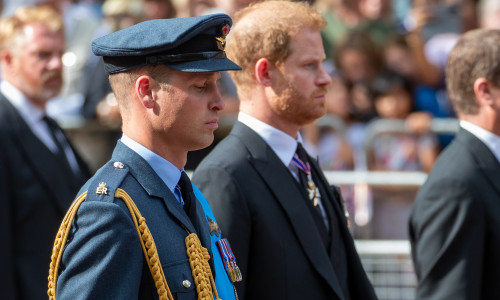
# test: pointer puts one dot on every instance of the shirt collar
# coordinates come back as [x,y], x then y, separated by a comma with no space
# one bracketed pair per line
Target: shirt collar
[30,112]
[165,169]
[281,143]
[491,140]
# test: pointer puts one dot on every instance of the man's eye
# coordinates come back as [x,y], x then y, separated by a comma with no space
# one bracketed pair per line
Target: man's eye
[43,55]
[200,88]
[311,66]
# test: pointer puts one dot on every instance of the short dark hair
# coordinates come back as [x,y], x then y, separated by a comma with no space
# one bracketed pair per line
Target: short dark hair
[121,82]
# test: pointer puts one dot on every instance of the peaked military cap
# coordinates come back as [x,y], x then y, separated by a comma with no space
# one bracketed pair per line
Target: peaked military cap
[194,44]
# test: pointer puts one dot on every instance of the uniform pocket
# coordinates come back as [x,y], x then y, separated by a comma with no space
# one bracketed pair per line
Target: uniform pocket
[180,279]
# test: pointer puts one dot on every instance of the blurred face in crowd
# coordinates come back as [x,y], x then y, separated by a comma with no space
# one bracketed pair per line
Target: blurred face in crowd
[355,65]
[337,99]
[400,61]
[36,64]
[158,9]
[395,104]
[374,9]
[232,6]
[200,7]
[301,81]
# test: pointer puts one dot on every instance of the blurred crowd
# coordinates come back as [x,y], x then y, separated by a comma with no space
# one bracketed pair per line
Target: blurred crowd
[386,59]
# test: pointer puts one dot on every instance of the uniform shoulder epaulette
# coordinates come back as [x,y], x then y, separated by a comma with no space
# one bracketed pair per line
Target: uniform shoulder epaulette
[106,181]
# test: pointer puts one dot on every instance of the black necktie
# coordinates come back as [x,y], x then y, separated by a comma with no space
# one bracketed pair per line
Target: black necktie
[188,196]
[331,234]
[56,134]
[190,207]
[309,182]
[301,153]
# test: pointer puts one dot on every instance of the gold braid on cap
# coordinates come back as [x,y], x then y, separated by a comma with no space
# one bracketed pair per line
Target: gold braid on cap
[198,255]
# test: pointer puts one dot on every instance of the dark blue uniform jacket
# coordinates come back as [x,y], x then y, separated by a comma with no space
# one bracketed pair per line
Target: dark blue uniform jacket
[103,258]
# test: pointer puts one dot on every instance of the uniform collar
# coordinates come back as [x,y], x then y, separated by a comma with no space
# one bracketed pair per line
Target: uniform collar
[168,173]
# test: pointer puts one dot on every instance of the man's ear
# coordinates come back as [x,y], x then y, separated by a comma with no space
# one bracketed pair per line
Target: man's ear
[262,69]
[482,90]
[6,58]
[144,90]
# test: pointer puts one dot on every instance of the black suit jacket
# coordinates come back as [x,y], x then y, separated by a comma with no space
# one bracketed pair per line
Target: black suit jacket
[261,209]
[35,192]
[455,224]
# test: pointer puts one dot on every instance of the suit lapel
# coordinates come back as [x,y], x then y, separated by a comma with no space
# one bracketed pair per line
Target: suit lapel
[84,171]
[152,183]
[341,245]
[156,188]
[486,160]
[282,184]
[41,159]
[334,205]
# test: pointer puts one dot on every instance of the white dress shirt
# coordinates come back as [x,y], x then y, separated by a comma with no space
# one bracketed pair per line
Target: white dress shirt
[33,116]
[281,143]
[491,140]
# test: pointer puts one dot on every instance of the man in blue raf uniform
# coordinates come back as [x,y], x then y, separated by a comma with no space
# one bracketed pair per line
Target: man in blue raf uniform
[163,74]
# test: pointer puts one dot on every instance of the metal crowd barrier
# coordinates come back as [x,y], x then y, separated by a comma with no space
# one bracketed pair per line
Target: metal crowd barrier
[389,268]
[387,263]
[376,178]
[437,126]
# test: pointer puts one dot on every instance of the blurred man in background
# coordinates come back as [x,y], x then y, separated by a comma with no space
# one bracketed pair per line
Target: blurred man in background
[40,171]
[455,219]
[285,222]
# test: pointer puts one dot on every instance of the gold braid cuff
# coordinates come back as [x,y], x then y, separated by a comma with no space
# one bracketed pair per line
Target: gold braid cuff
[147,243]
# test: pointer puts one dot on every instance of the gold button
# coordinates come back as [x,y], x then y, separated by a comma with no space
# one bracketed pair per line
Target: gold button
[186,283]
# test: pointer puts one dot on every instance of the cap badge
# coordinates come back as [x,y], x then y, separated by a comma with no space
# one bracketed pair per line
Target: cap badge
[102,189]
[221,40]
[214,228]
[225,30]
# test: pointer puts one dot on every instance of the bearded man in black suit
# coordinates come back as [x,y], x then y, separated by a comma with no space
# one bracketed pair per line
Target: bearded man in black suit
[40,171]
[455,222]
[285,223]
